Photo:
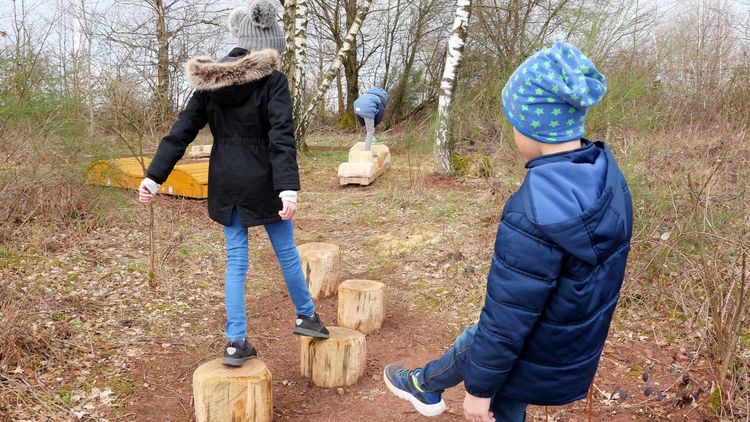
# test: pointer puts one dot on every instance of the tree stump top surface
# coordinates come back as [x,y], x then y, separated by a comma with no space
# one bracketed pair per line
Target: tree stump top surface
[318,247]
[253,368]
[361,285]
[338,334]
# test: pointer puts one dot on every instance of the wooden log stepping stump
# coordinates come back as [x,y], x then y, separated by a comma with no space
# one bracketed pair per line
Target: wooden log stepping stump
[338,361]
[363,167]
[321,264]
[361,305]
[223,393]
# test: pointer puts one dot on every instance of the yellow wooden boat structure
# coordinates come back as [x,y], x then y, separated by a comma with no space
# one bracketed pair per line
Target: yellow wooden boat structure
[188,180]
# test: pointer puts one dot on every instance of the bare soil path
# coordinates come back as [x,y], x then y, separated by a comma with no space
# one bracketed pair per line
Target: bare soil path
[126,352]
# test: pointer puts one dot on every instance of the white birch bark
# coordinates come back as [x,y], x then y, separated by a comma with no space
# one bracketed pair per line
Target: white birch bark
[443,148]
[300,55]
[287,60]
[304,122]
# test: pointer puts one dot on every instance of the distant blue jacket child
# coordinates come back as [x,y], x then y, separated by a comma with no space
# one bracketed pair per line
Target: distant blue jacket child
[369,110]
[558,263]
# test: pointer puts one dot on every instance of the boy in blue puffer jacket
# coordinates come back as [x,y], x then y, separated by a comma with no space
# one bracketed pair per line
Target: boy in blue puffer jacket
[369,110]
[559,258]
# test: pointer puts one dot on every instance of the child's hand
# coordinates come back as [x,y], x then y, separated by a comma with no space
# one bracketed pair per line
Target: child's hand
[290,208]
[147,191]
[477,409]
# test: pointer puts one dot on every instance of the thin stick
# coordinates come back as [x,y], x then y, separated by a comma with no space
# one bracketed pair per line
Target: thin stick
[152,247]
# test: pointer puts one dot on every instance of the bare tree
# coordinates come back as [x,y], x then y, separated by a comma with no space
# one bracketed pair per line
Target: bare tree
[337,16]
[128,118]
[420,23]
[443,149]
[164,33]
[351,68]
[510,30]
[304,122]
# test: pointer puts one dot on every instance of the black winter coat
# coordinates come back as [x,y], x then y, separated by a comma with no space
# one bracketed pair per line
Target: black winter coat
[247,105]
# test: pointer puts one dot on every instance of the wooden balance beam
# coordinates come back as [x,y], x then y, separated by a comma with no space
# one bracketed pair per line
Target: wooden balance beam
[363,167]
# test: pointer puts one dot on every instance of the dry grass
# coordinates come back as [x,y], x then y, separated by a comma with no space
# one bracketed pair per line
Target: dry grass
[692,217]
[68,287]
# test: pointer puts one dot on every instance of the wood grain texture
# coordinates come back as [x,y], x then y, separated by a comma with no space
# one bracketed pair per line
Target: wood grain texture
[223,393]
[336,362]
[321,264]
[361,305]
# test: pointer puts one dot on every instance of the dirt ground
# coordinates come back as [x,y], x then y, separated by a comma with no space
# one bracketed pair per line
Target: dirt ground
[132,349]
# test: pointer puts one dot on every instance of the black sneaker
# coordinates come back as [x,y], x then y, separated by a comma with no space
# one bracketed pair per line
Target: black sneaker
[237,352]
[310,327]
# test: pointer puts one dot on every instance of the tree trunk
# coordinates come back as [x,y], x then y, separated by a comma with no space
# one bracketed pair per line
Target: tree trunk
[340,93]
[361,305]
[233,394]
[300,54]
[289,22]
[338,361]
[163,93]
[351,70]
[396,103]
[321,264]
[443,149]
[304,123]
[390,41]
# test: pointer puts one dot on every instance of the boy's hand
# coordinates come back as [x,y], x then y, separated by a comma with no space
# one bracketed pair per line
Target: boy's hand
[290,208]
[477,409]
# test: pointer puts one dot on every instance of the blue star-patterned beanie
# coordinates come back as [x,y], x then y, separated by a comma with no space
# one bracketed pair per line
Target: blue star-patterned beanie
[547,96]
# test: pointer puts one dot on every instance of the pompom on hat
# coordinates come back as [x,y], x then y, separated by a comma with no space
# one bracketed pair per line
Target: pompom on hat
[256,26]
[546,98]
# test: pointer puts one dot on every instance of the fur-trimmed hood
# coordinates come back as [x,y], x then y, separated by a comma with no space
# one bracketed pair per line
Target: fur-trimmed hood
[206,74]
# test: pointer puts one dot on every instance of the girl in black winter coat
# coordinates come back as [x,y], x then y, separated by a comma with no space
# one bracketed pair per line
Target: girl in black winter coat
[253,175]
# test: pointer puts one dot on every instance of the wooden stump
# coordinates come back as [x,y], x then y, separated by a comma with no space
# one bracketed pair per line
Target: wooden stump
[336,362]
[362,167]
[321,263]
[222,393]
[361,305]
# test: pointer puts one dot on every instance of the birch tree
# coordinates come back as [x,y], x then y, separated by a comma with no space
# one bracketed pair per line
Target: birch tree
[304,122]
[287,59]
[443,140]
[300,56]
[295,56]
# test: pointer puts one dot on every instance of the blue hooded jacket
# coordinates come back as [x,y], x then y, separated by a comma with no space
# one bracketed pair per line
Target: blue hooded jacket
[555,279]
[371,105]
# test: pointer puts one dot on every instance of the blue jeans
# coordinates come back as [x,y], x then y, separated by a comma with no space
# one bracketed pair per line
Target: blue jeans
[281,235]
[446,372]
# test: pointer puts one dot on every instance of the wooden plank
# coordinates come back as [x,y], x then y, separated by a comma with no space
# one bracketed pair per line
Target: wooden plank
[362,181]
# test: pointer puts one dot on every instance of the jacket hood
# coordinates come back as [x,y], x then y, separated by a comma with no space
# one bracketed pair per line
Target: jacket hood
[379,92]
[238,68]
[573,201]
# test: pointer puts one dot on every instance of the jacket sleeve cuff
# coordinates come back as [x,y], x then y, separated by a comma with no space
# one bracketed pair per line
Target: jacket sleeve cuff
[289,195]
[158,180]
[150,185]
[281,187]
[477,391]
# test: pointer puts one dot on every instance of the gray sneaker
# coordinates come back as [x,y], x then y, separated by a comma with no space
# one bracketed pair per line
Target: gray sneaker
[237,352]
[310,327]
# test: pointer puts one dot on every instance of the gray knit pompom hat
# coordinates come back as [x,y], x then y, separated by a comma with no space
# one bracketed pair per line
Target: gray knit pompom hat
[256,26]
